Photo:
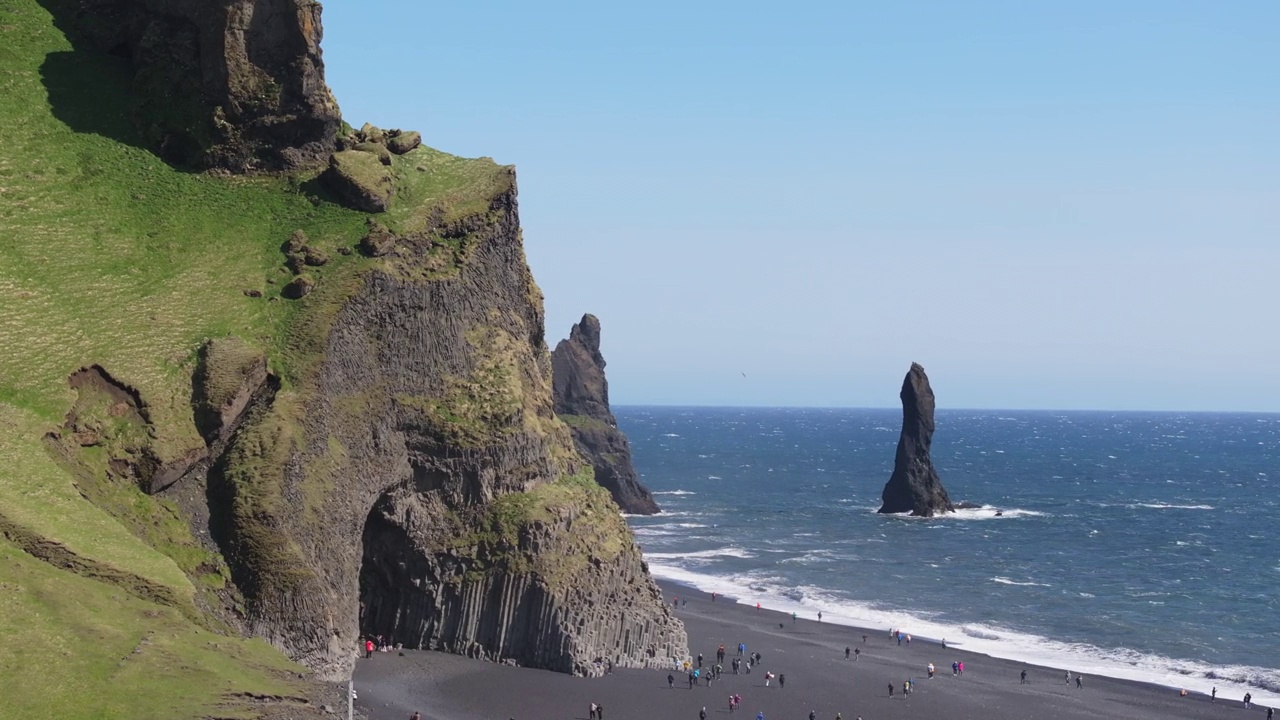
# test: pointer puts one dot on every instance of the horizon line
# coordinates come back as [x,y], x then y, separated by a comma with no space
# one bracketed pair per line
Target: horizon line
[678,406]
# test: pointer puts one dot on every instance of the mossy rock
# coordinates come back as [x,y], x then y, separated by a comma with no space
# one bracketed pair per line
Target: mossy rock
[404,142]
[372,133]
[299,287]
[315,257]
[360,179]
[378,241]
[377,149]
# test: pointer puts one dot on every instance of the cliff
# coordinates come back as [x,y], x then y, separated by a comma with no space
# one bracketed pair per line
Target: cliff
[914,486]
[233,84]
[245,407]
[582,401]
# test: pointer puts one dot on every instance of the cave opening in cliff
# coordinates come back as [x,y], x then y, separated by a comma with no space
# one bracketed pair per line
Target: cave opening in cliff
[397,599]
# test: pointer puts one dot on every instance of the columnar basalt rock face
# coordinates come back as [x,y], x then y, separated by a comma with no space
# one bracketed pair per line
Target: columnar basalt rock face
[425,449]
[232,84]
[582,401]
[914,486]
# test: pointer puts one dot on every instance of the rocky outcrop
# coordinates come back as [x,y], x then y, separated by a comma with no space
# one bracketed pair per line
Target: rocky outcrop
[232,84]
[914,486]
[360,179]
[582,401]
[414,483]
[383,456]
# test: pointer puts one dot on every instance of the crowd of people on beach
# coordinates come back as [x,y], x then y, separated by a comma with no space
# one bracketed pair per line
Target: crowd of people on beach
[698,671]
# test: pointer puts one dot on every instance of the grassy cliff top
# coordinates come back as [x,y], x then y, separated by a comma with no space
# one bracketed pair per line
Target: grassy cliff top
[110,256]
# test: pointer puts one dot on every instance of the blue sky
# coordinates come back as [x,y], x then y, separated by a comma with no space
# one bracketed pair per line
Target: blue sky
[1048,205]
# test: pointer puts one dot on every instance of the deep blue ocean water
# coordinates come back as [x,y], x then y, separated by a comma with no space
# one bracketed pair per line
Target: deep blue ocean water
[1135,545]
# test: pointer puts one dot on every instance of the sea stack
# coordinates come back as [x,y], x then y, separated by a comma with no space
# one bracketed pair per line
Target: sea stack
[582,402]
[914,486]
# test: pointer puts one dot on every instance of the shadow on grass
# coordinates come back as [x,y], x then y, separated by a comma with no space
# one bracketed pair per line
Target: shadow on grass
[90,93]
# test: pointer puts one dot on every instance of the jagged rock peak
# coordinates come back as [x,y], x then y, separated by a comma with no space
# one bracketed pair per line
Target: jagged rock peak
[582,401]
[230,84]
[914,486]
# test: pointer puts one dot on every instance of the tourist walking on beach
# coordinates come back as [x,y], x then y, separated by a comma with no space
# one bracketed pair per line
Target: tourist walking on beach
[930,669]
[782,681]
[793,618]
[767,677]
[890,689]
[760,715]
[699,659]
[955,668]
[671,681]
[813,715]
[819,620]
[856,653]
[1024,678]
[742,649]
[1270,711]
[1247,699]
[1068,677]
[599,712]
[1079,682]
[368,649]
[864,639]
[416,716]
[846,653]
[960,667]
[591,711]
[720,654]
[702,715]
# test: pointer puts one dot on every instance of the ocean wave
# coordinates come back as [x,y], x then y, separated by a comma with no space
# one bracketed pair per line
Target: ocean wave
[1167,506]
[1007,643]
[733,552]
[1007,581]
[986,512]
[714,477]
[675,492]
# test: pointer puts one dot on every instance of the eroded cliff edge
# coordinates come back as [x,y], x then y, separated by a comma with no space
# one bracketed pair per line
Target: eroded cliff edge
[582,401]
[389,460]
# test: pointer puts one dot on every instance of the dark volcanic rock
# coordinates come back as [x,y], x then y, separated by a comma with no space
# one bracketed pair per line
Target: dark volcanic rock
[421,489]
[234,84]
[582,401]
[914,486]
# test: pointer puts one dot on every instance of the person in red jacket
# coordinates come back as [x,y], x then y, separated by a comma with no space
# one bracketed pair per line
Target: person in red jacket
[368,649]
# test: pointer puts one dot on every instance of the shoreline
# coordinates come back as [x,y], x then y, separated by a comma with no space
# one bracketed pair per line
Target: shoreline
[809,653]
[1194,684]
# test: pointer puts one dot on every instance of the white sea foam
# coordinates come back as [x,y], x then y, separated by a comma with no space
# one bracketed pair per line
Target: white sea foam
[1124,663]
[1007,581]
[675,492]
[734,552]
[1167,506]
[714,477]
[986,512]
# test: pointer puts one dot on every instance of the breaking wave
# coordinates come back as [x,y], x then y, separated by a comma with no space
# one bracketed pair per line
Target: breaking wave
[1005,643]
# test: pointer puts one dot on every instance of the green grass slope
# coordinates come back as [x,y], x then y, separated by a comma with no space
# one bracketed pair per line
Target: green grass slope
[109,256]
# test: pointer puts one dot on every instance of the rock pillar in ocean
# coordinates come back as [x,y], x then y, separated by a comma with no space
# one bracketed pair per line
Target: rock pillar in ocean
[582,402]
[914,486]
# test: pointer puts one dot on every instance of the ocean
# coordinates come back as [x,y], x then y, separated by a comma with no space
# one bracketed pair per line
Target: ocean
[1132,545]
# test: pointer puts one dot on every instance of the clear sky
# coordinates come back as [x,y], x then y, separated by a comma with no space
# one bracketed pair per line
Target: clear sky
[1047,204]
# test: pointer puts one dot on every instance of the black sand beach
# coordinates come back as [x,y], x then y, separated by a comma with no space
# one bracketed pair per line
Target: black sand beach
[811,656]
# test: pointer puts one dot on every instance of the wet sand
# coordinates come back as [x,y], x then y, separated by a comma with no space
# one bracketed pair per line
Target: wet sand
[818,678]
